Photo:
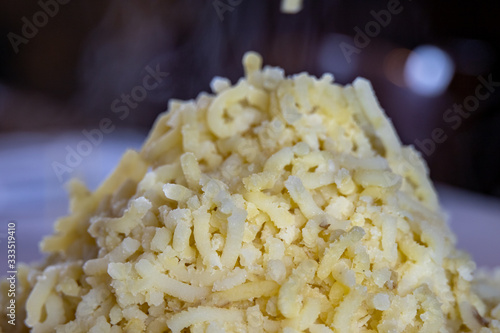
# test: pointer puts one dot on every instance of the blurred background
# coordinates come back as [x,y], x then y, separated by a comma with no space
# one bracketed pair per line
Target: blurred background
[80,81]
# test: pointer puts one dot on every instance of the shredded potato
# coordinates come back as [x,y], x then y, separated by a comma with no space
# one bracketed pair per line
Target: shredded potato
[291,6]
[279,204]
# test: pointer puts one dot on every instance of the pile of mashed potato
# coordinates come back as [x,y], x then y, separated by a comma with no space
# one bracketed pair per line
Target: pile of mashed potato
[278,204]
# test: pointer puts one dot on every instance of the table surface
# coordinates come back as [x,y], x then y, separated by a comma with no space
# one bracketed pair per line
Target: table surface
[32,194]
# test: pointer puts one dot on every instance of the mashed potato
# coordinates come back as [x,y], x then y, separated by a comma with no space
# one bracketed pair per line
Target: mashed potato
[278,204]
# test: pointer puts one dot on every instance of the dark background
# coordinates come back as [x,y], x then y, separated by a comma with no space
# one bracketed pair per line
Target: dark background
[90,52]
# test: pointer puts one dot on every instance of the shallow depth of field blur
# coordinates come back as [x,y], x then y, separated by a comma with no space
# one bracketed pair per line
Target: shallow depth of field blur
[81,81]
